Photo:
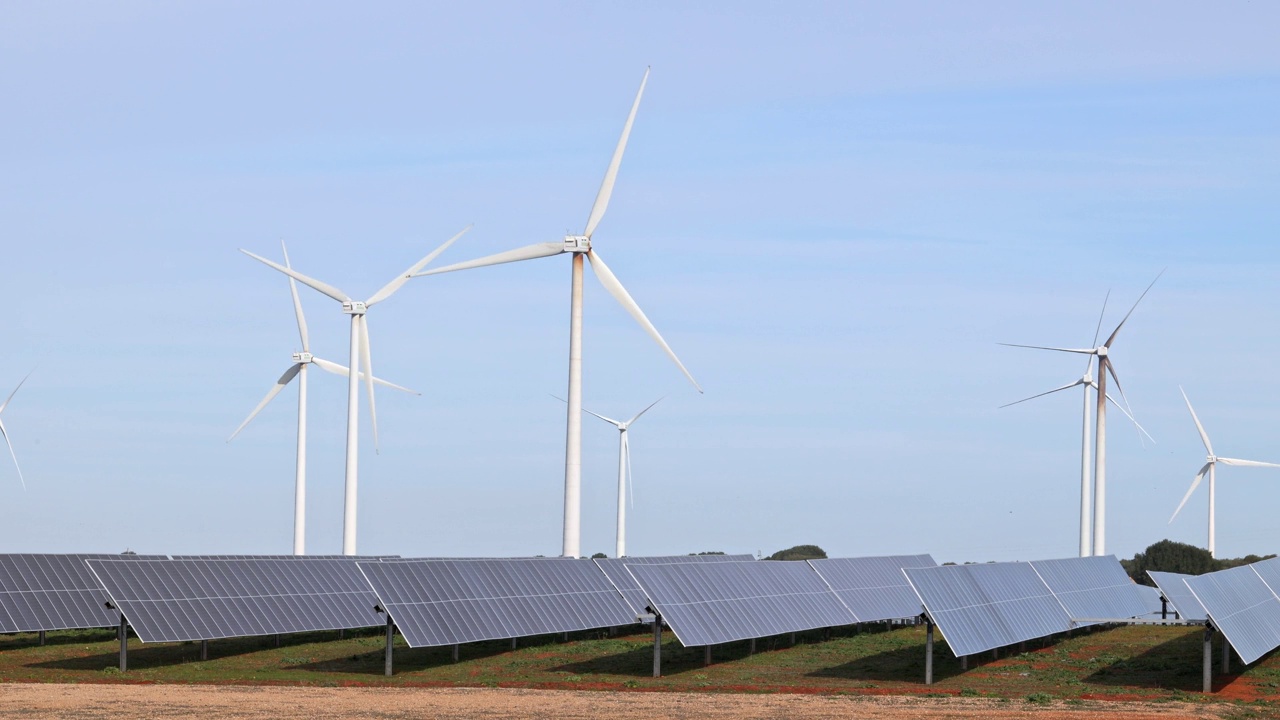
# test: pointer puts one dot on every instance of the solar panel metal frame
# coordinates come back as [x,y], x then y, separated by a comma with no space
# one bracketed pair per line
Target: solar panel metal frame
[180,600]
[1242,606]
[447,602]
[1094,587]
[615,569]
[53,591]
[986,606]
[1174,589]
[874,588]
[716,602]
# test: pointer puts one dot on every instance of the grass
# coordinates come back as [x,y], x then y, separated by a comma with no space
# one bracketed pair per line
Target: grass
[1124,663]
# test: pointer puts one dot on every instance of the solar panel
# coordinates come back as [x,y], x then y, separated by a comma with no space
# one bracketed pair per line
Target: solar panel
[51,592]
[615,569]
[1093,587]
[980,607]
[1242,607]
[175,600]
[1180,597]
[715,602]
[1152,597]
[283,557]
[874,588]
[1269,571]
[446,602]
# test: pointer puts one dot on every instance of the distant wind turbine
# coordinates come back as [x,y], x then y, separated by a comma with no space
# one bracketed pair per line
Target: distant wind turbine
[1102,352]
[299,370]
[1209,467]
[5,432]
[624,472]
[359,350]
[1087,381]
[578,246]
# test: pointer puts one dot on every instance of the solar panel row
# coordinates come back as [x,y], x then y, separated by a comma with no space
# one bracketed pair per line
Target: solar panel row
[1243,606]
[446,602]
[1174,588]
[615,569]
[715,602]
[874,588]
[176,600]
[1093,587]
[51,592]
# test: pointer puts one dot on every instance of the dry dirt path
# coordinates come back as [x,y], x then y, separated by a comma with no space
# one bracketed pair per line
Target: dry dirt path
[112,702]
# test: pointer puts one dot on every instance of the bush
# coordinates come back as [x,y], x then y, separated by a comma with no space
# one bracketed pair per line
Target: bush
[799,552]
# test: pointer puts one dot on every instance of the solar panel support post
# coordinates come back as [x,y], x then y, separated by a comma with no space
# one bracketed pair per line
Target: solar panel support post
[204,649]
[513,643]
[706,655]
[1226,655]
[753,647]
[455,652]
[964,662]
[391,636]
[928,651]
[657,645]
[124,643]
[1207,684]
[1164,608]
[42,638]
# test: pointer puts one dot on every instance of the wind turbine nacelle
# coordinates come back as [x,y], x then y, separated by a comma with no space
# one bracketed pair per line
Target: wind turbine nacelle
[577,243]
[303,357]
[1102,350]
[353,307]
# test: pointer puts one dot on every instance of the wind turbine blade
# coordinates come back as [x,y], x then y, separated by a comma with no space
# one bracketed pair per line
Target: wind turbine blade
[611,175]
[611,421]
[1131,419]
[297,304]
[344,371]
[1246,463]
[1047,392]
[528,252]
[619,293]
[367,376]
[1111,371]
[390,288]
[13,455]
[1135,307]
[1098,330]
[15,392]
[1194,484]
[637,417]
[1082,351]
[285,379]
[312,283]
[1204,436]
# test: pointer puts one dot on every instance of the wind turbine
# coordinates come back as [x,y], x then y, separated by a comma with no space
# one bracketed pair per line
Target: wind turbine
[1087,382]
[1102,352]
[1209,467]
[578,246]
[5,432]
[624,471]
[299,370]
[359,350]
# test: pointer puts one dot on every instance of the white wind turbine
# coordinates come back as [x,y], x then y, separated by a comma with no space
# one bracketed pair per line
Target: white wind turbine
[299,370]
[1087,382]
[578,246]
[359,353]
[5,432]
[624,472]
[1102,352]
[1209,467]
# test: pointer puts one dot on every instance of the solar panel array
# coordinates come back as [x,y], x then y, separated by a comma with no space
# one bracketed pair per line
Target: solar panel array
[51,592]
[445,602]
[615,569]
[980,607]
[177,600]
[874,588]
[1093,587]
[1175,590]
[716,602]
[1242,606]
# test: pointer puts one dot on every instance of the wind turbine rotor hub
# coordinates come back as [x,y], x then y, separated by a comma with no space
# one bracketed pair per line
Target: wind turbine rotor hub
[577,243]
[303,357]
[1101,351]
[353,307]
[1087,379]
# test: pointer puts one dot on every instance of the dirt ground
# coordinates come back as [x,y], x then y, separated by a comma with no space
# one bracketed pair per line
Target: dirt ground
[38,700]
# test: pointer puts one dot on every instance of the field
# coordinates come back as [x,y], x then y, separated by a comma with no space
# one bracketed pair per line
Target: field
[1130,664]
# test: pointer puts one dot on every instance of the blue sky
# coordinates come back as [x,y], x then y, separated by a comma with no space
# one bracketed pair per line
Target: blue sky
[833,214]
